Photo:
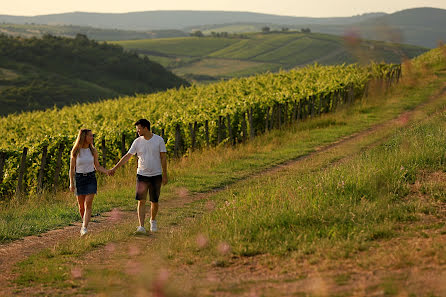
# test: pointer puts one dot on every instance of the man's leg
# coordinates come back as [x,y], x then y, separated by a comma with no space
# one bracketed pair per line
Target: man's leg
[141,195]
[153,210]
[154,190]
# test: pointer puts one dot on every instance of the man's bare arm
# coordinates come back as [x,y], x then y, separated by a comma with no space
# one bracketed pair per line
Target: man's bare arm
[121,162]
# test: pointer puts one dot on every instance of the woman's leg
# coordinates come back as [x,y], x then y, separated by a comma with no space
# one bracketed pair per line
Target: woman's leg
[81,202]
[88,205]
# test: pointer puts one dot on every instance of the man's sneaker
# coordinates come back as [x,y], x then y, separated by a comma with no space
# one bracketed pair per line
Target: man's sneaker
[83,231]
[153,226]
[140,230]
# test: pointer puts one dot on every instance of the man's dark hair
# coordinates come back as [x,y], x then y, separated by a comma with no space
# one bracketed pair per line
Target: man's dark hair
[143,123]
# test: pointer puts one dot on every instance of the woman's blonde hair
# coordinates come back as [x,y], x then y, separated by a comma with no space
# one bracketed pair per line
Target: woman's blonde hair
[79,143]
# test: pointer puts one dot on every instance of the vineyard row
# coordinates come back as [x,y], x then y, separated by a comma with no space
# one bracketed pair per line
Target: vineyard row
[46,165]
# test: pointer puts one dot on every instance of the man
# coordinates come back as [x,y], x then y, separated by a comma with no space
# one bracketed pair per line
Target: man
[151,173]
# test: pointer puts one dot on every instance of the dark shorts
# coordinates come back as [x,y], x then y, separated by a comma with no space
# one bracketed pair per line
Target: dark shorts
[153,185]
[86,183]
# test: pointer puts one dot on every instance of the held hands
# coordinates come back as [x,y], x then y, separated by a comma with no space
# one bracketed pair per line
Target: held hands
[111,172]
[164,181]
[72,188]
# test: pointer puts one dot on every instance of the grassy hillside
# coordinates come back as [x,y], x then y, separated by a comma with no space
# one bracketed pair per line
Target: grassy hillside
[246,54]
[55,71]
[35,30]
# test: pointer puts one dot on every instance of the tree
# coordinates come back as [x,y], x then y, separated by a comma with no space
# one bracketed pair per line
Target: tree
[266,29]
[197,33]
[305,30]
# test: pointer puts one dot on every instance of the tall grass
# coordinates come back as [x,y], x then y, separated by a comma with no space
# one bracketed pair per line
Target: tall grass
[359,200]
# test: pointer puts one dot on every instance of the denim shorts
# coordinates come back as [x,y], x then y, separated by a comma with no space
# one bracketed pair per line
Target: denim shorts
[86,183]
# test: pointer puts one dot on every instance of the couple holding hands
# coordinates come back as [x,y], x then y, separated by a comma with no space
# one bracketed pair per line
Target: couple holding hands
[151,173]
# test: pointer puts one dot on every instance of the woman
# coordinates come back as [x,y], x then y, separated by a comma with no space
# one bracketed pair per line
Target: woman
[83,162]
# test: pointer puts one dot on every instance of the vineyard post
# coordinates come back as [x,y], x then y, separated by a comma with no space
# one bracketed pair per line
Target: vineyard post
[294,115]
[228,117]
[308,108]
[162,134]
[177,147]
[266,119]
[123,150]
[42,169]
[244,130]
[334,100]
[352,94]
[299,110]
[219,129]
[104,153]
[338,98]
[273,117]
[2,165]
[22,171]
[327,103]
[58,166]
[279,113]
[366,89]
[192,135]
[312,105]
[206,129]
[303,103]
[195,131]
[285,114]
[251,124]
[319,109]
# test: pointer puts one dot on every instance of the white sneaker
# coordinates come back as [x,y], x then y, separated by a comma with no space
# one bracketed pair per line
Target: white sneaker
[153,226]
[84,231]
[141,230]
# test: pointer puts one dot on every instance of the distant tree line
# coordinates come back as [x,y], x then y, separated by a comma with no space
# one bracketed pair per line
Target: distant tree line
[199,33]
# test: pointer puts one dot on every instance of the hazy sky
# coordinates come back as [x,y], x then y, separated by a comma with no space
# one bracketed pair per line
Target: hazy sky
[311,8]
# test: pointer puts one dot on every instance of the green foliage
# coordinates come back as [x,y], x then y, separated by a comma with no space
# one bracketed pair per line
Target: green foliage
[61,71]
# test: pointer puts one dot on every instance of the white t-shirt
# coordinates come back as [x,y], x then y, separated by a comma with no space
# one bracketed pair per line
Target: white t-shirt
[84,161]
[148,151]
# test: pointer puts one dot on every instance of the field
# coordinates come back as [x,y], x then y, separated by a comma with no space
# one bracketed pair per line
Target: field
[349,203]
[195,56]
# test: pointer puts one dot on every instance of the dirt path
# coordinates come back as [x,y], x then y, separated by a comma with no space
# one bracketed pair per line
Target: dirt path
[17,251]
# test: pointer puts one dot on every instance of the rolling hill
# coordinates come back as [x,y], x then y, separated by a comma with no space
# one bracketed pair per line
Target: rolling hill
[422,26]
[156,20]
[418,26]
[53,71]
[206,58]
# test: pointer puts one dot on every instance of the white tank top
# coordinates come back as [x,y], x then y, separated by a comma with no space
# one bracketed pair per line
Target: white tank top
[84,161]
